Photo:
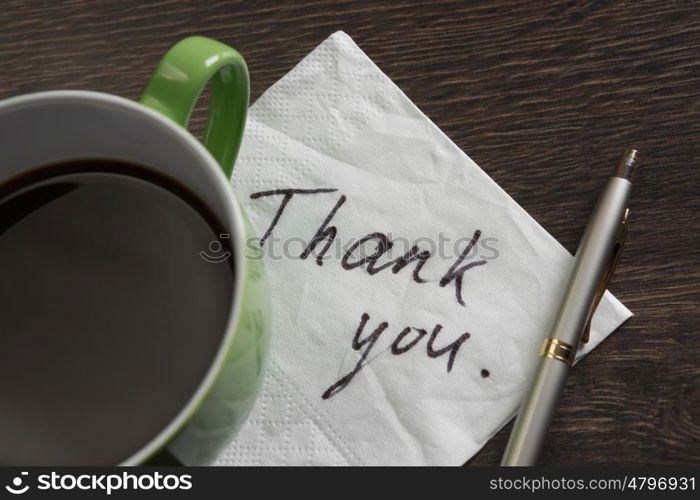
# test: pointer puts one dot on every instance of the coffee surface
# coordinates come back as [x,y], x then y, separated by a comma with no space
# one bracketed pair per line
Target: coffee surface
[109,316]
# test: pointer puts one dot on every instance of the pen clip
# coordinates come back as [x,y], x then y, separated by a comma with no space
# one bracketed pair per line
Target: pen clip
[614,258]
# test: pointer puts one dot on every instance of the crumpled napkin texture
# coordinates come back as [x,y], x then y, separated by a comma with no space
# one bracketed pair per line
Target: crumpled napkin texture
[374,364]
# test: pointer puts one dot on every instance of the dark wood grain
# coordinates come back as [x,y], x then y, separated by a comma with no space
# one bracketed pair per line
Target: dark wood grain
[543,95]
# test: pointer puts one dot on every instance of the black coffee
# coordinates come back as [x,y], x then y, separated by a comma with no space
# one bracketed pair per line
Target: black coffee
[109,316]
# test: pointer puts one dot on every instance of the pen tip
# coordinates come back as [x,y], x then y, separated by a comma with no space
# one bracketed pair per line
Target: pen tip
[628,164]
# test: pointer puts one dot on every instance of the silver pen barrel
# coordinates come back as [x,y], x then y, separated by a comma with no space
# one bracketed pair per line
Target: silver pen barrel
[559,348]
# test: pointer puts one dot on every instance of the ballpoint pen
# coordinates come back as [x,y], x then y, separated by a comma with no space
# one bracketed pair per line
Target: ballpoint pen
[594,263]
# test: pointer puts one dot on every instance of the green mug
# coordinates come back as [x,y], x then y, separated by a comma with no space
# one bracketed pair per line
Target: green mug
[48,127]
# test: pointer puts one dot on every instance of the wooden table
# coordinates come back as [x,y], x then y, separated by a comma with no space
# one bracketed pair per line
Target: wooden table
[543,95]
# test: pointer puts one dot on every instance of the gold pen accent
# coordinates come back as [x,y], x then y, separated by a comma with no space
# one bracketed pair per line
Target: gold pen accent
[614,259]
[556,349]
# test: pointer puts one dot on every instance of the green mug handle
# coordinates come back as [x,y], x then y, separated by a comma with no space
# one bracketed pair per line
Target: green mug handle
[179,79]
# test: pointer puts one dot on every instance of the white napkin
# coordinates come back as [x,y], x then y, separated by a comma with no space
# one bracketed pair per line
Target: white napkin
[438,393]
